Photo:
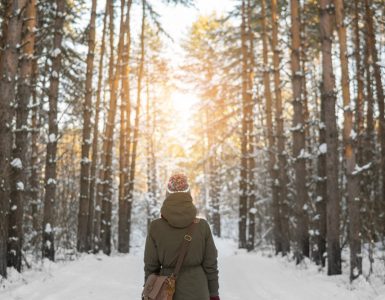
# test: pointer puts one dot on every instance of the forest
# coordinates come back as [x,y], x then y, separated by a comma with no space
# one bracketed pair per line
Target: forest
[274,109]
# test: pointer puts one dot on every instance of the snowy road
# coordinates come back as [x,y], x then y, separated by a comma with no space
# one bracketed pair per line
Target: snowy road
[242,276]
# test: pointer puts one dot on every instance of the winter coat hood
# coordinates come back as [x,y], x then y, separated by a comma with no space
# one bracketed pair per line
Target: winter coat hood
[178,209]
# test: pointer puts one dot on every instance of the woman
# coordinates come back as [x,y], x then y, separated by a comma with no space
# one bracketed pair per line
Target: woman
[198,277]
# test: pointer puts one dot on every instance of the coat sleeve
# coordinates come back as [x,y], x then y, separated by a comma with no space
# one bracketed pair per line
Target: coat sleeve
[210,263]
[151,259]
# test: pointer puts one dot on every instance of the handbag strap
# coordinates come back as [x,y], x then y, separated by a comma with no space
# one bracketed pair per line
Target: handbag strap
[185,245]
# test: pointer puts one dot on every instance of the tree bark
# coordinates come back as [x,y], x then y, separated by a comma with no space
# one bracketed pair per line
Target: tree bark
[131,183]
[243,183]
[95,189]
[123,227]
[105,231]
[331,133]
[84,236]
[283,226]
[19,162]
[321,189]
[128,137]
[8,70]
[50,167]
[374,61]
[252,210]
[360,84]
[299,150]
[349,151]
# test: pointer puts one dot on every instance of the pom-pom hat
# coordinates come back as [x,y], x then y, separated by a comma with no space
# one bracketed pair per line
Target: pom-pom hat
[178,184]
[178,208]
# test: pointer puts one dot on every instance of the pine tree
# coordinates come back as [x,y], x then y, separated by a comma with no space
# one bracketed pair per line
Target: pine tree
[283,213]
[331,137]
[135,139]
[12,27]
[84,236]
[50,165]
[19,160]
[374,62]
[125,110]
[298,130]
[350,150]
[107,194]
[95,203]
[243,182]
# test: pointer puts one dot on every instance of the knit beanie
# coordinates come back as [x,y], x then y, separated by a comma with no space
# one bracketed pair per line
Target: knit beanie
[178,184]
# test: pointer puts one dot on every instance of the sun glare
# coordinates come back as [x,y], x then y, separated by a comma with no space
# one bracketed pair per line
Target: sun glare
[183,104]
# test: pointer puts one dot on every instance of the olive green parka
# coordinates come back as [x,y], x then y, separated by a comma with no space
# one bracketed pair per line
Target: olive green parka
[198,277]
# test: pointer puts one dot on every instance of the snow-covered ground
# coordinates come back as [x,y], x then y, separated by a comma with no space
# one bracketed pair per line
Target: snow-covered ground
[242,276]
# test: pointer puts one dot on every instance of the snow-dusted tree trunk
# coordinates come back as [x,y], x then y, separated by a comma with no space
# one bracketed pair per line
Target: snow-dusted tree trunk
[131,183]
[321,191]
[95,199]
[107,179]
[360,83]
[279,121]
[50,166]
[128,136]
[152,209]
[370,202]
[19,163]
[11,36]
[251,134]
[34,186]
[277,228]
[243,181]
[349,150]
[84,236]
[331,137]
[125,108]
[109,134]
[375,64]
[298,130]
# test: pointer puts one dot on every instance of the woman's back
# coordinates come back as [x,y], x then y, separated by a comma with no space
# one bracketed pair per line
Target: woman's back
[198,278]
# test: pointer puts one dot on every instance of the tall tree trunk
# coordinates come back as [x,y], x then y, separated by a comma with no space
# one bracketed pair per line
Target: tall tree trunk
[321,190]
[126,213]
[84,236]
[8,70]
[252,210]
[131,183]
[277,229]
[19,162]
[35,174]
[331,133]
[109,135]
[50,167]
[95,199]
[150,155]
[349,151]
[374,60]
[302,231]
[369,143]
[243,182]
[283,225]
[212,166]
[359,78]
[123,228]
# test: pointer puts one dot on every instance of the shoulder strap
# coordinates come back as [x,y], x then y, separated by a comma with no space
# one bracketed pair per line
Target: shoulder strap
[186,243]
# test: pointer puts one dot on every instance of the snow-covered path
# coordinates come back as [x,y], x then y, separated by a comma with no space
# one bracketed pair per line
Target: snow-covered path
[242,276]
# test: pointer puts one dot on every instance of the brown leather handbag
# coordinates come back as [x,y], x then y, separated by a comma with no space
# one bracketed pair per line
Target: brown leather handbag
[159,287]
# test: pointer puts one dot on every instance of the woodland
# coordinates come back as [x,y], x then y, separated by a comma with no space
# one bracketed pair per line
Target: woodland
[284,144]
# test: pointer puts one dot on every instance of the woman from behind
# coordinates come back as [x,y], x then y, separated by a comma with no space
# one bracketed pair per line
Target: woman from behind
[198,276]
